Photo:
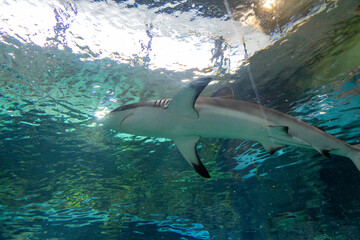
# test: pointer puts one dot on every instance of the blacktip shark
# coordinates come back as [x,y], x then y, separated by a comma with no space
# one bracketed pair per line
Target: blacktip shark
[187,117]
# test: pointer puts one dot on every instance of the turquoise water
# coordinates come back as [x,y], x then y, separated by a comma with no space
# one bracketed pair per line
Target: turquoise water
[64,176]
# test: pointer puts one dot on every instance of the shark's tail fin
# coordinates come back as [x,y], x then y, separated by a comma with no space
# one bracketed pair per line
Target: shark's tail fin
[355,156]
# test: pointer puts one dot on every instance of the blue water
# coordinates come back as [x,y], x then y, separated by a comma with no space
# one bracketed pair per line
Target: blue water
[64,65]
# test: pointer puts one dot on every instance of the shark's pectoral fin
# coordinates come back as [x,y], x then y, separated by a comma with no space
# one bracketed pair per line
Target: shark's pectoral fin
[187,147]
[271,148]
[183,102]
[226,92]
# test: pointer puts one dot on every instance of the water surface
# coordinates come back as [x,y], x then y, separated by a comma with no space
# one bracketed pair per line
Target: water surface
[65,64]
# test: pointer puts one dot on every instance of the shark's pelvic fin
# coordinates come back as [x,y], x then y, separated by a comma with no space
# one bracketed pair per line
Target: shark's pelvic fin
[271,148]
[275,131]
[323,152]
[226,92]
[187,147]
[278,130]
[326,153]
[183,102]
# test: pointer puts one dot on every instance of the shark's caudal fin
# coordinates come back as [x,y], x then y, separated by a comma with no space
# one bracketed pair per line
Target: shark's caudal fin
[355,155]
[187,147]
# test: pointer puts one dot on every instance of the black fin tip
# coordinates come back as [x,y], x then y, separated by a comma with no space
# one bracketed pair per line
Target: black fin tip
[201,170]
[326,153]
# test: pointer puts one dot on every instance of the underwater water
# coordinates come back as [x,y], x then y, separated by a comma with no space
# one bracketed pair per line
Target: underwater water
[65,64]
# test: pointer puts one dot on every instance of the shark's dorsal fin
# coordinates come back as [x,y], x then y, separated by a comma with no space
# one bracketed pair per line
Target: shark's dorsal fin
[187,147]
[183,102]
[226,92]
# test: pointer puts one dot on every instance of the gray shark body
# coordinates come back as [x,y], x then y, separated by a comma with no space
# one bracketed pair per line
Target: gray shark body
[186,118]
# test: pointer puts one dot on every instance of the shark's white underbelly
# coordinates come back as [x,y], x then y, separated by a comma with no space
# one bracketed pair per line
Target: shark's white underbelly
[216,122]
[213,122]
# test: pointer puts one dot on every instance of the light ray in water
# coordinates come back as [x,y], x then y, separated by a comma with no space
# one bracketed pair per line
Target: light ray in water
[248,67]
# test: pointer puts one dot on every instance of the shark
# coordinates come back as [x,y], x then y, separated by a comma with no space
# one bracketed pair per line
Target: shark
[187,117]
